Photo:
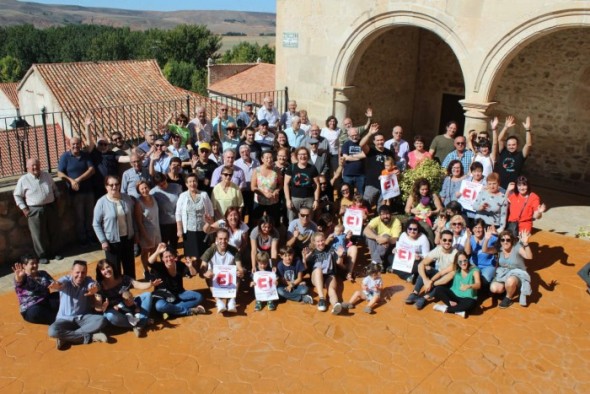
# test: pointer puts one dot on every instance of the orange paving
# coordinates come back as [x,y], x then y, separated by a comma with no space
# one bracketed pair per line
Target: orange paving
[542,348]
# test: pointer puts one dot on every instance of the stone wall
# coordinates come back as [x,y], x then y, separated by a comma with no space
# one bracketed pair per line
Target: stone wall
[15,238]
[550,81]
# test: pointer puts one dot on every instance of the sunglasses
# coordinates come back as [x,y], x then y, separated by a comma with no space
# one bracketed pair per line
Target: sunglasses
[463,261]
[303,215]
[506,240]
[457,224]
[447,240]
[231,129]
[460,143]
[226,174]
[113,184]
[345,190]
[412,228]
[159,145]
[117,139]
[322,183]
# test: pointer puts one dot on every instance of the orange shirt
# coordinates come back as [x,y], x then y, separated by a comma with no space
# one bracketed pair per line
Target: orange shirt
[516,207]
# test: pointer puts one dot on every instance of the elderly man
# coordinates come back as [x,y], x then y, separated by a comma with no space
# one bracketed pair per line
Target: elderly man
[354,162]
[511,160]
[75,168]
[238,177]
[402,146]
[222,120]
[201,127]
[295,134]
[264,137]
[375,160]
[347,123]
[75,322]
[247,118]
[460,153]
[443,144]
[247,164]
[133,175]
[287,116]
[35,195]
[381,234]
[146,146]
[270,113]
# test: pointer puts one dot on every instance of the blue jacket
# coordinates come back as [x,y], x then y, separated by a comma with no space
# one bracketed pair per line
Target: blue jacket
[105,219]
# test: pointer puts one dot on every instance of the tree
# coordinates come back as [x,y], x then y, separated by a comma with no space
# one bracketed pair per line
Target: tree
[246,52]
[191,44]
[10,69]
[179,73]
[199,82]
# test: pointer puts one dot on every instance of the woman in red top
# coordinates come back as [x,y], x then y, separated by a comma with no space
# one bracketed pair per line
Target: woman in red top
[524,205]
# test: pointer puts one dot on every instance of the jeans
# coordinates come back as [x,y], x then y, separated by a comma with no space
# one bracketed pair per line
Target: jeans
[420,282]
[77,331]
[379,252]
[294,295]
[188,299]
[487,273]
[358,181]
[584,273]
[118,319]
[372,196]
[43,312]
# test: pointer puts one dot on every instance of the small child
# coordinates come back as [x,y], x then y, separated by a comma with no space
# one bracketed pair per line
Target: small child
[129,307]
[389,168]
[263,264]
[423,209]
[371,292]
[290,272]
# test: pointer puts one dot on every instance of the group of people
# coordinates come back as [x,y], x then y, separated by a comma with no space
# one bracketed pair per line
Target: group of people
[267,192]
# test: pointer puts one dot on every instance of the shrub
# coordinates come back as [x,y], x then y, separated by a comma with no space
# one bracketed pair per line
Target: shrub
[428,169]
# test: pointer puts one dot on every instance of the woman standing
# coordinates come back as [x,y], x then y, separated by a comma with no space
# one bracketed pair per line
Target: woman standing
[147,218]
[461,297]
[113,225]
[332,133]
[267,183]
[302,184]
[281,165]
[491,205]
[419,154]
[226,194]
[192,210]
[452,183]
[525,206]
[112,285]
[36,304]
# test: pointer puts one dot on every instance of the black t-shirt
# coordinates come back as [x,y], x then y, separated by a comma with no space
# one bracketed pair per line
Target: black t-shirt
[509,166]
[374,165]
[353,168]
[302,184]
[255,149]
[204,174]
[171,283]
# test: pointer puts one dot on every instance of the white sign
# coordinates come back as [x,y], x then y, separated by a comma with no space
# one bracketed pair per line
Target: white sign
[290,40]
[389,186]
[224,281]
[404,258]
[469,191]
[265,286]
[353,221]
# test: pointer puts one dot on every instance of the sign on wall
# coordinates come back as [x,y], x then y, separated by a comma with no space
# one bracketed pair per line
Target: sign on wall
[290,40]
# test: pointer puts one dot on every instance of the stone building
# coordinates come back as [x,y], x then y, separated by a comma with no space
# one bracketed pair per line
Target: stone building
[422,63]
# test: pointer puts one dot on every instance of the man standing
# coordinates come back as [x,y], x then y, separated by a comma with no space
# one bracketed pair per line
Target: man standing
[461,154]
[75,323]
[204,167]
[270,113]
[294,133]
[133,175]
[247,164]
[511,160]
[354,162]
[255,148]
[238,177]
[247,118]
[75,168]
[222,120]
[286,117]
[200,127]
[402,146]
[443,144]
[35,195]
[382,233]
[375,160]
[361,129]
[264,137]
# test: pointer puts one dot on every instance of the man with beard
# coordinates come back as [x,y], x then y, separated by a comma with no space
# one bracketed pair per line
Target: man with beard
[376,156]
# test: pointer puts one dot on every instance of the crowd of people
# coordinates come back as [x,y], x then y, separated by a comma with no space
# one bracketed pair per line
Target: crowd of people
[268,192]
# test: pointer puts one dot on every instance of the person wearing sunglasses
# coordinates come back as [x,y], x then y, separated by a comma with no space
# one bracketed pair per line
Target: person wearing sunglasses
[226,194]
[491,205]
[413,239]
[460,153]
[159,158]
[511,275]
[178,128]
[430,271]
[458,227]
[486,262]
[461,297]
[300,230]
[222,120]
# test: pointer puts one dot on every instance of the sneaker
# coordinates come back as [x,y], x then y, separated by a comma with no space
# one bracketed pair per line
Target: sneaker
[410,279]
[412,298]
[368,310]
[231,305]
[198,310]
[420,303]
[506,302]
[99,337]
[440,308]
[307,299]
[337,308]
[462,314]
[132,319]
[139,332]
[322,307]
[271,306]
[220,306]
[347,305]
[60,345]
[258,306]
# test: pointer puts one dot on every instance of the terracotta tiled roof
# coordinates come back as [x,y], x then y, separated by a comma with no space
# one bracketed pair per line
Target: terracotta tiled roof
[9,89]
[259,78]
[120,94]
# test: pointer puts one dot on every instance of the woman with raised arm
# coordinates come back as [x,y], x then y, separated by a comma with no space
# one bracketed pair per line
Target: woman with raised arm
[147,219]
[525,206]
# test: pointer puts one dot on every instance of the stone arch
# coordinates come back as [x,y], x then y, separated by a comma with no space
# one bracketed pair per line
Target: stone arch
[518,38]
[364,34]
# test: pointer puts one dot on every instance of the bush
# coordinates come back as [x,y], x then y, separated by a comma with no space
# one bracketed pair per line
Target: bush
[428,169]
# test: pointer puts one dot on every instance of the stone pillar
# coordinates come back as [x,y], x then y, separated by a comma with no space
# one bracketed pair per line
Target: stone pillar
[341,102]
[475,115]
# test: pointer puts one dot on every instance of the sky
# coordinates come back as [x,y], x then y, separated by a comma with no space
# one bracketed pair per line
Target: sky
[173,5]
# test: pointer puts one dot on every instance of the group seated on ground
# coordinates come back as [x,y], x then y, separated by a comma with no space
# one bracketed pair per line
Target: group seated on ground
[270,207]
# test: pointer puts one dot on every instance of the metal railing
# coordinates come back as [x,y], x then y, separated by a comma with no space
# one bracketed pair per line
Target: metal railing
[46,135]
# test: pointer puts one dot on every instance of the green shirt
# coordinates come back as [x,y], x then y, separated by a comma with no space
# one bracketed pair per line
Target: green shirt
[459,280]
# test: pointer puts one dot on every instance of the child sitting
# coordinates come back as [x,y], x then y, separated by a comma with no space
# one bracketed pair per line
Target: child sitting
[263,264]
[371,292]
[423,209]
[290,272]
[129,307]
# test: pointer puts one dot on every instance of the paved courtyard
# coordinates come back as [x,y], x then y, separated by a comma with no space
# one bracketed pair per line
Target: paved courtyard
[544,347]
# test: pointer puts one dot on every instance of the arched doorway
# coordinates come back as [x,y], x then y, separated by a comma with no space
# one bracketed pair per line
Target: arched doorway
[409,76]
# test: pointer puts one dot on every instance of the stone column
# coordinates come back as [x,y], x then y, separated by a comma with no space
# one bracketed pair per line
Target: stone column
[341,102]
[475,115]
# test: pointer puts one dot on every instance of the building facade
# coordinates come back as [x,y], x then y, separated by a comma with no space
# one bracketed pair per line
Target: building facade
[422,63]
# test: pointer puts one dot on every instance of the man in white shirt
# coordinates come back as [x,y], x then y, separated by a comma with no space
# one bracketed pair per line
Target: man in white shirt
[403,148]
[270,113]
